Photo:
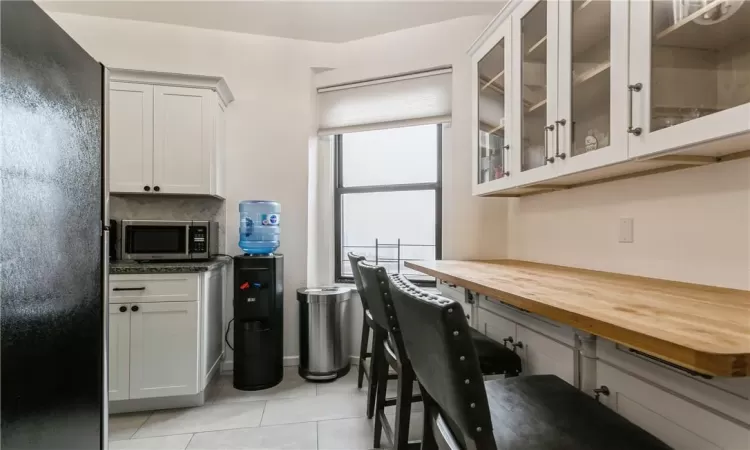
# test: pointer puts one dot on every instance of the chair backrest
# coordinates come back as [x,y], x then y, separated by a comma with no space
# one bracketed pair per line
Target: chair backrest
[354,259]
[378,292]
[438,343]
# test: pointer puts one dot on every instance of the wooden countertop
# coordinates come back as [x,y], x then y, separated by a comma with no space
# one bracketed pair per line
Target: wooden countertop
[703,328]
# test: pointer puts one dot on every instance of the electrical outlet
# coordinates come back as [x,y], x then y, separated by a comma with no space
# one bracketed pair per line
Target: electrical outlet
[626,230]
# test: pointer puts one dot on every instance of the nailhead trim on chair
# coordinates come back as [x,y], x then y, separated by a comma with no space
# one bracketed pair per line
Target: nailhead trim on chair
[402,284]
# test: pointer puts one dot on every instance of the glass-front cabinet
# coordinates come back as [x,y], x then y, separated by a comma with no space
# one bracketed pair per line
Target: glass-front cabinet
[535,89]
[492,160]
[689,75]
[592,71]
[569,92]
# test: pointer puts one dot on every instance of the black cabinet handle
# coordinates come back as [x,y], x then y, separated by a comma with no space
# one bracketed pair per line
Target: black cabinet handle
[635,131]
[517,345]
[143,288]
[146,188]
[508,340]
[134,308]
[123,308]
[157,189]
[604,390]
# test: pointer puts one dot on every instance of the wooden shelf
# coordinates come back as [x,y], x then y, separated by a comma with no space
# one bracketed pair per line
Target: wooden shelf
[538,51]
[688,34]
[592,73]
[491,81]
[536,106]
[703,328]
[497,128]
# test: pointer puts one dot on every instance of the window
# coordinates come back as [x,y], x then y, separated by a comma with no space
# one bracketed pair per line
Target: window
[388,198]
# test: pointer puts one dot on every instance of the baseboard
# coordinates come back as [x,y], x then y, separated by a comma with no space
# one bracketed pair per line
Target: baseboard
[291,361]
[288,361]
[157,403]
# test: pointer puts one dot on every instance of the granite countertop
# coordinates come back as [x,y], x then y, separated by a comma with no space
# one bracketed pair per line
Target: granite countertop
[130,267]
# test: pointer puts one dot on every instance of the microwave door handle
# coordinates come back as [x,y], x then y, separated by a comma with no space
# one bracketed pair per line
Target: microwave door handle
[188,251]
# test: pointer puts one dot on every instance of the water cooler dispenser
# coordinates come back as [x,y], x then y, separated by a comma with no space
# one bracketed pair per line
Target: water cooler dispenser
[258,321]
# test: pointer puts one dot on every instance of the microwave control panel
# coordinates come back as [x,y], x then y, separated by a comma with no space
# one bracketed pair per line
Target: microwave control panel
[198,241]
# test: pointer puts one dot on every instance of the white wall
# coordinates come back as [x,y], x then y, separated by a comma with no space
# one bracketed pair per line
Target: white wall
[270,126]
[691,225]
[267,125]
[472,227]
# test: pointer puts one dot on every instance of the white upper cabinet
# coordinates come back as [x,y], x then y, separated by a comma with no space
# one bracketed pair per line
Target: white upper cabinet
[166,133]
[690,76]
[535,140]
[601,89]
[183,139]
[131,136]
[592,70]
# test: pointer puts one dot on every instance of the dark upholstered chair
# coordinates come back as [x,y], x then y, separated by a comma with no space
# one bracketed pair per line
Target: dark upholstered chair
[368,324]
[389,353]
[496,358]
[464,412]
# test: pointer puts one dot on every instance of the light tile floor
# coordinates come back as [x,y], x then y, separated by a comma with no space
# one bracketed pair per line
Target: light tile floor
[295,415]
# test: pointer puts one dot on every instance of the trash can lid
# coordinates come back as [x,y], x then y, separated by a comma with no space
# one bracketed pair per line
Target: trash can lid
[324,291]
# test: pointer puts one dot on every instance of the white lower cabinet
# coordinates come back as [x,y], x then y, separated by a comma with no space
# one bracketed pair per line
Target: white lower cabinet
[542,355]
[164,350]
[119,352]
[675,420]
[539,354]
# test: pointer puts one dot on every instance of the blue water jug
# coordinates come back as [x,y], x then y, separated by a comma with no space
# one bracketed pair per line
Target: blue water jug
[259,226]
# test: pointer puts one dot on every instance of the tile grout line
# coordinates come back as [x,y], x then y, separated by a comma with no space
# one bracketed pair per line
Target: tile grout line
[191,440]
[141,425]
[263,413]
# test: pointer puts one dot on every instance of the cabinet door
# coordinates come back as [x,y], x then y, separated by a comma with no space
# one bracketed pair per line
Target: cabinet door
[690,68]
[218,153]
[679,423]
[119,352]
[164,349]
[591,124]
[542,355]
[183,140]
[495,327]
[492,168]
[131,137]
[534,31]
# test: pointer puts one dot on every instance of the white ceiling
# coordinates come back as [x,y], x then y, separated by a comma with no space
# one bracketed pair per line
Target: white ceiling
[326,21]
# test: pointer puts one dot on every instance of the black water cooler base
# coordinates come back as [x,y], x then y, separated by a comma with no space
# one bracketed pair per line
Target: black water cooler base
[258,322]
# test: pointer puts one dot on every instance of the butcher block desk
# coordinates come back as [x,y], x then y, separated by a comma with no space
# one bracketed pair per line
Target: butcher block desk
[702,328]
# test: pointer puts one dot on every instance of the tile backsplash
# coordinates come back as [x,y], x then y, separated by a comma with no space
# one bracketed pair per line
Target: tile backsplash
[149,207]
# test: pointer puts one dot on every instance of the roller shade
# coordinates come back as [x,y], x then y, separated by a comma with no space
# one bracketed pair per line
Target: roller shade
[409,99]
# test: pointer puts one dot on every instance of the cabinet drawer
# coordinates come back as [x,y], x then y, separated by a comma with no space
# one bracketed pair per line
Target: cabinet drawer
[543,356]
[678,422]
[550,328]
[173,287]
[731,396]
[451,291]
[495,326]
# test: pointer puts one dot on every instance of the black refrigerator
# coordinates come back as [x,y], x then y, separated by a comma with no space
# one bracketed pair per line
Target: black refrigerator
[53,257]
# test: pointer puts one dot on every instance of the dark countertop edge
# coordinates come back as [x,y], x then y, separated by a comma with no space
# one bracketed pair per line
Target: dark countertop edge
[128,268]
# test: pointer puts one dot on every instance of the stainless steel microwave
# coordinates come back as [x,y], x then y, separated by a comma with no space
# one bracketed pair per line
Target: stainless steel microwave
[143,240]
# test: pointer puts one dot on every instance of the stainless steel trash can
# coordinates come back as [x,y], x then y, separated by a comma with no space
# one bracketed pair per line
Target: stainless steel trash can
[324,332]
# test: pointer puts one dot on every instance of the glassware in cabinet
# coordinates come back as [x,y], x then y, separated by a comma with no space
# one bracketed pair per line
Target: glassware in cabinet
[689,77]
[492,157]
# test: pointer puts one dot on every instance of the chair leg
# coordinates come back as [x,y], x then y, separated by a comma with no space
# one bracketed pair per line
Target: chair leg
[363,351]
[382,386]
[403,408]
[428,436]
[377,356]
